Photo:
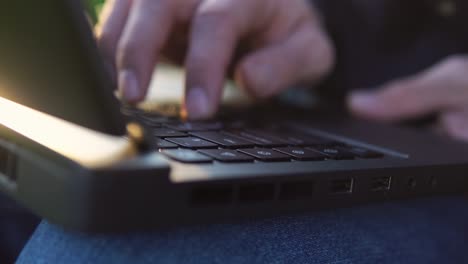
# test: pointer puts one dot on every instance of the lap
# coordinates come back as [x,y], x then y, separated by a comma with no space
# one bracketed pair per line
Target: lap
[431,230]
[16,226]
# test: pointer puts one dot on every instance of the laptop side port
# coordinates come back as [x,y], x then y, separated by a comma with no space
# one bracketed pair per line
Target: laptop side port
[342,186]
[7,164]
[211,195]
[380,184]
[296,190]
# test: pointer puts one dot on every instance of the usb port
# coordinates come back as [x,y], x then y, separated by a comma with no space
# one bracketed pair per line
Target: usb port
[380,184]
[341,186]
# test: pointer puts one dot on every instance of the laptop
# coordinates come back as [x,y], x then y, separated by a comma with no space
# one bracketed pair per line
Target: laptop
[71,153]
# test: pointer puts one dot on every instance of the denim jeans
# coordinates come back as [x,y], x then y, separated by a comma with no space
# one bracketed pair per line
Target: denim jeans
[427,230]
[16,226]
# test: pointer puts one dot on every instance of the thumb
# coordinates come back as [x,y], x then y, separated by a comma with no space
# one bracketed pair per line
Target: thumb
[433,90]
[389,103]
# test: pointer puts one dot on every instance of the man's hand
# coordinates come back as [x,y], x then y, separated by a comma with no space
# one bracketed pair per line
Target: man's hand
[282,43]
[442,89]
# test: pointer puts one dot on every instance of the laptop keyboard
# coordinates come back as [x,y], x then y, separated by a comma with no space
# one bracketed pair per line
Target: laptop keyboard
[240,142]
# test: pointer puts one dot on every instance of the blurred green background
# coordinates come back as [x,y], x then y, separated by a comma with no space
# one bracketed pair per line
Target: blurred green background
[94,8]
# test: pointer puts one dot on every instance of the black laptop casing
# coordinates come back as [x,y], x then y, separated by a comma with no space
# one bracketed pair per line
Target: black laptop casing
[49,63]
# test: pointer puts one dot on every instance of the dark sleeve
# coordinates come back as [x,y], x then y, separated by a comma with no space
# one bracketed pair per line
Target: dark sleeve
[380,40]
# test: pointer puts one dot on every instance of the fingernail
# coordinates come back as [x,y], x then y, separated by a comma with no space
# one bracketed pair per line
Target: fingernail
[197,103]
[128,85]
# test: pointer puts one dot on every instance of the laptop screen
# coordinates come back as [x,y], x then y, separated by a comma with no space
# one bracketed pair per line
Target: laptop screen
[48,61]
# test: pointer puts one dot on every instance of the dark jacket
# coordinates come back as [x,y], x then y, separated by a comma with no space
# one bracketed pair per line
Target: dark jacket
[379,40]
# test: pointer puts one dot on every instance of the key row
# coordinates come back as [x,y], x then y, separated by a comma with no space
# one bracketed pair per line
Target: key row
[241,138]
[269,155]
[335,152]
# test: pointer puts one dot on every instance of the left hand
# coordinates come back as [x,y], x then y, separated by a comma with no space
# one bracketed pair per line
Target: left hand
[442,89]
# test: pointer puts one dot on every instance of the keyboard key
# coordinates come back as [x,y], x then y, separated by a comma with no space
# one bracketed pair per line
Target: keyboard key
[295,138]
[224,140]
[334,153]
[166,132]
[265,154]
[192,142]
[258,139]
[302,154]
[236,124]
[153,120]
[163,144]
[196,126]
[226,155]
[303,140]
[186,156]
[362,152]
[130,111]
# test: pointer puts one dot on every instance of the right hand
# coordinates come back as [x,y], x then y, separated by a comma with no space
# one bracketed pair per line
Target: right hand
[283,43]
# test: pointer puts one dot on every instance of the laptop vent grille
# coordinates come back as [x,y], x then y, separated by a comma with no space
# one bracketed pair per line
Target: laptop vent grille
[251,193]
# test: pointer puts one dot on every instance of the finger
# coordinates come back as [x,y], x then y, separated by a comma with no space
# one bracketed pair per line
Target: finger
[442,86]
[305,56]
[213,38]
[109,29]
[144,35]
[454,124]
